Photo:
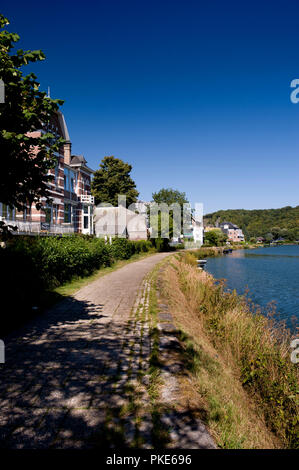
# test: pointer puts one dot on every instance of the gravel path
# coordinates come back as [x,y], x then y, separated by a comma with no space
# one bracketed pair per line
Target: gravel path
[82,374]
[67,380]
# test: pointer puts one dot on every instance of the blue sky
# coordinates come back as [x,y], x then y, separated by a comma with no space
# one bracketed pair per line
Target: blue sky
[195,95]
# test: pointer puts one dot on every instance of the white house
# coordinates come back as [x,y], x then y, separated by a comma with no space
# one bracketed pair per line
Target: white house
[119,221]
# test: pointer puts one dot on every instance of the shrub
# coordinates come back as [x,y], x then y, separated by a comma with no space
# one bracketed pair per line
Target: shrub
[121,248]
[161,244]
[142,246]
[31,265]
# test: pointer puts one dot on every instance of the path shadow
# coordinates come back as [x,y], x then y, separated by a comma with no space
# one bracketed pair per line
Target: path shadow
[58,382]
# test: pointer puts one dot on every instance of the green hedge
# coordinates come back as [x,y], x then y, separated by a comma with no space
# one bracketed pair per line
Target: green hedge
[51,261]
[33,266]
[36,264]
[121,248]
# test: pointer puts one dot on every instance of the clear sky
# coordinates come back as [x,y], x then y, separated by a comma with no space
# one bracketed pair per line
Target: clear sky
[194,94]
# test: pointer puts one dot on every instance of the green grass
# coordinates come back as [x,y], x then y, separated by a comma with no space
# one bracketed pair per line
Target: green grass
[256,346]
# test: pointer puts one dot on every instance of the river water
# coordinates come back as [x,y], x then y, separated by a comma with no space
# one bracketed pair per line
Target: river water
[270,274]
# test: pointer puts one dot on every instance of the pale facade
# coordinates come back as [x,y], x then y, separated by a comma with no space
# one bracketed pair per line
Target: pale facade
[119,221]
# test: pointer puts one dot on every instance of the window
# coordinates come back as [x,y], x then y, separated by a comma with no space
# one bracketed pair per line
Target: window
[70,180]
[48,212]
[74,211]
[67,213]
[57,173]
[66,179]
[7,212]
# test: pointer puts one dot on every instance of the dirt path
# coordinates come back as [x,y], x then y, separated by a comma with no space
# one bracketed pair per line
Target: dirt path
[72,376]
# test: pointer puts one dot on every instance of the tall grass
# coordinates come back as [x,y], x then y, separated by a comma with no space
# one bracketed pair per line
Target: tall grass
[255,343]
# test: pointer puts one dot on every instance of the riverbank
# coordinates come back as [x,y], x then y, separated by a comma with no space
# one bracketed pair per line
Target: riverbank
[238,369]
[207,251]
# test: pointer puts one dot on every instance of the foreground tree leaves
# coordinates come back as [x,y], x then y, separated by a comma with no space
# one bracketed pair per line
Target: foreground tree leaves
[24,174]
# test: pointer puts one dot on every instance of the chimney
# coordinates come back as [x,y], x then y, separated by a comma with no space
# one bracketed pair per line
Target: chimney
[67,150]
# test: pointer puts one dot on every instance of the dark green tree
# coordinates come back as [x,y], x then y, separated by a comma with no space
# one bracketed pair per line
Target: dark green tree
[215,238]
[269,237]
[25,159]
[113,178]
[168,196]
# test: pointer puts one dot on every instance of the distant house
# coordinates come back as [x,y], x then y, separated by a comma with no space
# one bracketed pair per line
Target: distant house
[197,229]
[119,221]
[233,232]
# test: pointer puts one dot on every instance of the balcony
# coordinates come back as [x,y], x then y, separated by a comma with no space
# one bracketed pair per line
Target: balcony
[36,228]
[86,199]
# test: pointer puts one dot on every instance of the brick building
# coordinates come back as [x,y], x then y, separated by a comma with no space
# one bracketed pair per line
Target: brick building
[233,232]
[71,208]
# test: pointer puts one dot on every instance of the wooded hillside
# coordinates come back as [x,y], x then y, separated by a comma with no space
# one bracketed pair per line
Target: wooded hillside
[282,222]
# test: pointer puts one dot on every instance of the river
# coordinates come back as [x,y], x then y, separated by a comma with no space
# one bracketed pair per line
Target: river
[270,274]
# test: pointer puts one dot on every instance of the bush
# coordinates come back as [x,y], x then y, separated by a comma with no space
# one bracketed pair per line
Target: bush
[58,259]
[31,266]
[121,248]
[161,244]
[142,246]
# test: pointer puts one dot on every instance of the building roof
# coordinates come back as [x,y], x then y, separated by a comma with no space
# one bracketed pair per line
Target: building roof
[63,126]
[78,159]
[230,225]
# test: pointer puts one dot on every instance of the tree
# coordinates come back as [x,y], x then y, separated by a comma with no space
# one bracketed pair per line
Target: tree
[113,178]
[276,232]
[259,222]
[25,159]
[168,196]
[215,237]
[269,237]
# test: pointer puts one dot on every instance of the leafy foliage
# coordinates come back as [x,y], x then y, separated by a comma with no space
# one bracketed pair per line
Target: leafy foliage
[282,222]
[165,219]
[51,261]
[121,248]
[170,196]
[215,237]
[36,265]
[23,176]
[113,178]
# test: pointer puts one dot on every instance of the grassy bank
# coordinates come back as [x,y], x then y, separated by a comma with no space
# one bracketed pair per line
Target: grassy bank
[208,251]
[239,368]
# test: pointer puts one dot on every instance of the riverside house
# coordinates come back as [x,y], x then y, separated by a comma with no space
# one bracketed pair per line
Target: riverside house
[233,232]
[71,209]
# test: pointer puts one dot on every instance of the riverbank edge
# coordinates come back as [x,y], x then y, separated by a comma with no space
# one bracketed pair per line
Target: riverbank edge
[225,342]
